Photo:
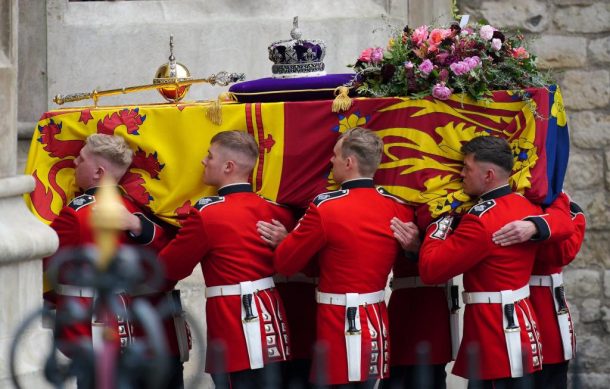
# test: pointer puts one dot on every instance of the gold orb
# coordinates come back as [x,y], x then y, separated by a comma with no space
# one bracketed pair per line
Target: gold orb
[169,73]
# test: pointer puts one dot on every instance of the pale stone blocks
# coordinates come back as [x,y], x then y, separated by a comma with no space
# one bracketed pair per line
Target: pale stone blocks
[583,283]
[587,19]
[586,89]
[559,51]
[522,14]
[600,49]
[589,129]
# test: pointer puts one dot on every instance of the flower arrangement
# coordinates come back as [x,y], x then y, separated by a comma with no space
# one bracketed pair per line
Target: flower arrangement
[441,61]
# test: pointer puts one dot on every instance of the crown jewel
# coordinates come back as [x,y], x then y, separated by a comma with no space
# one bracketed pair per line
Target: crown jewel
[297,57]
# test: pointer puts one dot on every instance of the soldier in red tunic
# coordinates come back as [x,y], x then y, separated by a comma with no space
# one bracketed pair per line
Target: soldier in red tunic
[244,313]
[349,231]
[103,155]
[547,290]
[500,325]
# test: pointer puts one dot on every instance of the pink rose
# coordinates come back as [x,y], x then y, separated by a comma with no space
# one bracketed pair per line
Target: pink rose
[520,53]
[426,67]
[365,56]
[496,44]
[440,91]
[420,35]
[459,68]
[487,32]
[377,55]
[472,62]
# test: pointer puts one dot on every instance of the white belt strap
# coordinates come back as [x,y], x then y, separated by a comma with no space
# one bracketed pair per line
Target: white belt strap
[353,336]
[236,290]
[353,339]
[251,327]
[341,299]
[513,337]
[546,280]
[494,297]
[75,291]
[410,282]
[563,318]
[297,277]
[553,281]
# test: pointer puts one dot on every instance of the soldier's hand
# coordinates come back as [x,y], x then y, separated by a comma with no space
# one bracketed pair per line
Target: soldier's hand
[518,231]
[128,221]
[272,233]
[407,234]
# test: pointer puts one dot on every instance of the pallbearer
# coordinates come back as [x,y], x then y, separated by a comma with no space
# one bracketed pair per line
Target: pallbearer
[349,230]
[245,316]
[548,290]
[499,321]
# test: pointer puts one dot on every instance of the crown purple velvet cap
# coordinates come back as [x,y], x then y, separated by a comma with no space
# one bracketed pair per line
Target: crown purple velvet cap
[297,57]
[271,89]
[298,73]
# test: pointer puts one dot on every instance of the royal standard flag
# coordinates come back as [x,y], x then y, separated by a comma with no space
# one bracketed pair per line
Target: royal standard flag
[421,162]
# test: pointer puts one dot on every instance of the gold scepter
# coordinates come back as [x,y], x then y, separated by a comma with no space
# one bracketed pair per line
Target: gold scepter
[172,79]
[222,79]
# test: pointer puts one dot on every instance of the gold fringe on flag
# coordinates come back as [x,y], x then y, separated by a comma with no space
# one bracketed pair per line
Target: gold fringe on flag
[342,101]
[214,112]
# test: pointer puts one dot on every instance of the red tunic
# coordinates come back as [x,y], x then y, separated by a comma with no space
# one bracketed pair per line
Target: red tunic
[220,234]
[487,267]
[350,231]
[73,227]
[551,258]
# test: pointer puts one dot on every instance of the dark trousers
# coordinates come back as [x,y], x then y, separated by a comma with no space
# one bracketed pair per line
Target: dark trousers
[553,376]
[268,377]
[525,382]
[295,374]
[370,384]
[416,376]
[173,380]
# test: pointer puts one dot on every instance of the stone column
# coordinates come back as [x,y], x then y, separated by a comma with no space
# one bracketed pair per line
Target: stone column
[23,239]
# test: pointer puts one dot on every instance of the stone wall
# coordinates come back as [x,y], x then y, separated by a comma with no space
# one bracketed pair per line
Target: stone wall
[574,43]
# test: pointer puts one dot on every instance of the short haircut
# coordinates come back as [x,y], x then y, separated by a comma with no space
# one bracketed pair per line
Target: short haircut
[238,141]
[112,148]
[490,149]
[365,146]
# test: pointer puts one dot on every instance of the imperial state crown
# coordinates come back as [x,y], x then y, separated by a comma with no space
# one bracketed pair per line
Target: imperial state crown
[297,57]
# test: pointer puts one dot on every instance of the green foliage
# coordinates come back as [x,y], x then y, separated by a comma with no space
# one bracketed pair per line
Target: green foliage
[474,60]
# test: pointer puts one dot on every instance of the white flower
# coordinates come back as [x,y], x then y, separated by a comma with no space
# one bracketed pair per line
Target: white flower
[486,32]
[496,44]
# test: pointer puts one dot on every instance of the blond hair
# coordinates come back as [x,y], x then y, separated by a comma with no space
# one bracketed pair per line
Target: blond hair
[112,148]
[365,146]
[239,142]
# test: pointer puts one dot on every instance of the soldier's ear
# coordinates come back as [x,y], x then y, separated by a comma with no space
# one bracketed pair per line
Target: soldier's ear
[99,173]
[490,175]
[229,166]
[349,162]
